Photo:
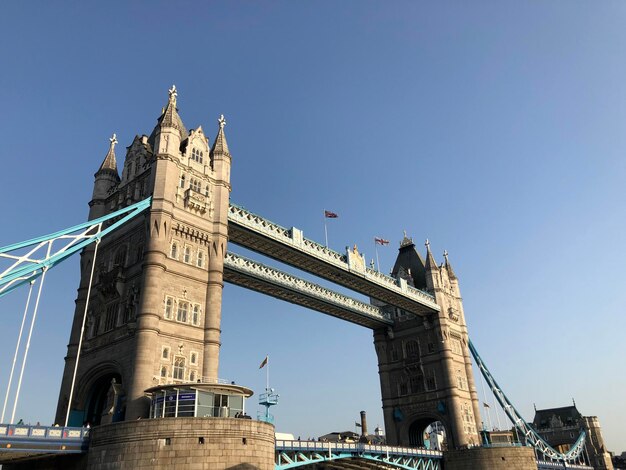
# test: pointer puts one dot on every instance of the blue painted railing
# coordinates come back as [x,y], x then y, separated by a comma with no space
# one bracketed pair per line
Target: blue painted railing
[16,438]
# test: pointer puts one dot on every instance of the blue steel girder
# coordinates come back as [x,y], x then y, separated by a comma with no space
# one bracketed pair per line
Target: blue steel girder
[295,454]
[31,258]
[532,437]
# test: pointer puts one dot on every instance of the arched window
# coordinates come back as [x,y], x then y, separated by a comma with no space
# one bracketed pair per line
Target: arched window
[187,255]
[193,358]
[179,368]
[200,259]
[182,181]
[169,304]
[196,185]
[163,372]
[195,316]
[412,349]
[181,314]
[166,353]
[192,376]
[174,251]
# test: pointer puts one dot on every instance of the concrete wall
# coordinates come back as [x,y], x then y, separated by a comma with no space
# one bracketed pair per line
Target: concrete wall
[168,443]
[494,458]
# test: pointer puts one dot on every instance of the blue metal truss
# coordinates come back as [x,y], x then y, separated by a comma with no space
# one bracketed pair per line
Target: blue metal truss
[532,437]
[295,454]
[30,259]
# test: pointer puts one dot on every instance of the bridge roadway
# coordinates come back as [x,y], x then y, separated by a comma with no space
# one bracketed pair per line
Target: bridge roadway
[256,276]
[289,246]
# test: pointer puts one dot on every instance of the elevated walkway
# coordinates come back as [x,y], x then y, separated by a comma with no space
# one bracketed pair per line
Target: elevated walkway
[256,276]
[289,246]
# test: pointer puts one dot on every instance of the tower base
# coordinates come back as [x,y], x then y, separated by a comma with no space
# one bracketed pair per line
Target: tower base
[490,458]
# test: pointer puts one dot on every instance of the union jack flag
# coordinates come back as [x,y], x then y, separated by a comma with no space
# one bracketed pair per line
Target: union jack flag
[330,215]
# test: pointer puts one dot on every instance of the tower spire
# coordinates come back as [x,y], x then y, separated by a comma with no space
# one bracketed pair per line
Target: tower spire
[220,146]
[448,266]
[109,163]
[431,264]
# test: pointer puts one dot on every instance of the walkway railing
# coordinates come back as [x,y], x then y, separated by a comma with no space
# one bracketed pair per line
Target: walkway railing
[293,454]
[19,438]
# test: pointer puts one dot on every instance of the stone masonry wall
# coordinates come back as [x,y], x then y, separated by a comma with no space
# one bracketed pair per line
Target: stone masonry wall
[494,458]
[183,444]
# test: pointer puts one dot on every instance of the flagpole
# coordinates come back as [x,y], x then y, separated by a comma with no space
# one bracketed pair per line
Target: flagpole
[325,229]
[376,248]
[267,374]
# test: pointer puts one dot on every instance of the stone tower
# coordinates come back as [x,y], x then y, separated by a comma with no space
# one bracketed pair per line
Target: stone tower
[155,304]
[424,363]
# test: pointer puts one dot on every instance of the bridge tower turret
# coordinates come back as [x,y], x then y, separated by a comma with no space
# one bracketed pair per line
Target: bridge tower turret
[155,307]
[424,366]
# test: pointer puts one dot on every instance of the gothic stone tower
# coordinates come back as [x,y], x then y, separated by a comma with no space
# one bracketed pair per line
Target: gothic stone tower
[155,304]
[424,362]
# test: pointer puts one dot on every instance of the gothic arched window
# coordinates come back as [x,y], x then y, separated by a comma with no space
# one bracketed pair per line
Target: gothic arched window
[179,368]
[174,251]
[181,314]
[187,255]
[412,349]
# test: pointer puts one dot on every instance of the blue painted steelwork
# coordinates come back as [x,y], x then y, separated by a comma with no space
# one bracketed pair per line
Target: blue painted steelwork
[294,454]
[532,437]
[542,465]
[29,266]
[25,439]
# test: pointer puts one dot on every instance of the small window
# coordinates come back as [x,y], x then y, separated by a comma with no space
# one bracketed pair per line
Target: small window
[181,314]
[192,376]
[195,316]
[163,371]
[169,305]
[182,181]
[200,259]
[174,251]
[193,358]
[187,255]
[166,352]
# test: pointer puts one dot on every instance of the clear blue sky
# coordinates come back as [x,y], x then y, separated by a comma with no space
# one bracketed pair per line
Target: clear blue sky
[495,129]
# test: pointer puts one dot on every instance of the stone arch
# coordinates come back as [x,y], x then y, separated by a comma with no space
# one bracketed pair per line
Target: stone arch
[417,427]
[101,387]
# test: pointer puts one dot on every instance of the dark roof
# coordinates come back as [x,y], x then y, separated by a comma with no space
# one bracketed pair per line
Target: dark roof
[567,415]
[409,259]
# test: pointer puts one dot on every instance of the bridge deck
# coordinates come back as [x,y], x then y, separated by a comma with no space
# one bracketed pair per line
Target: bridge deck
[289,246]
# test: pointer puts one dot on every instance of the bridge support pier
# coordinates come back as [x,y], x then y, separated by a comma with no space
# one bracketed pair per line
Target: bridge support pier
[491,458]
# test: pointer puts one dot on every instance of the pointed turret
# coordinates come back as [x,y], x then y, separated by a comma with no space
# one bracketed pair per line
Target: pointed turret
[105,178]
[220,146]
[109,163]
[448,266]
[169,131]
[431,264]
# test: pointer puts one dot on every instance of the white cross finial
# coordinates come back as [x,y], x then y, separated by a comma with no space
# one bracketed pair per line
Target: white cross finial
[427,243]
[113,141]
[172,92]
[445,255]
[222,121]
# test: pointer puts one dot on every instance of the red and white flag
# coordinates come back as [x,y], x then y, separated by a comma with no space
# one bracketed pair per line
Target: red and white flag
[330,215]
[381,241]
[264,363]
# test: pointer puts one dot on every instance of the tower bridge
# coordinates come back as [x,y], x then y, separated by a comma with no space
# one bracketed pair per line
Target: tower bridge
[146,331]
